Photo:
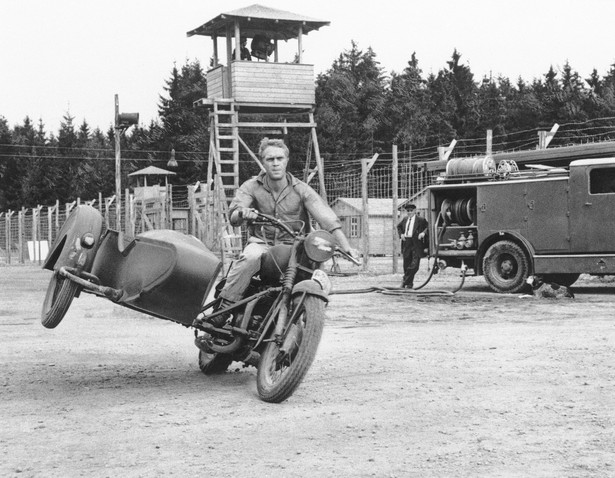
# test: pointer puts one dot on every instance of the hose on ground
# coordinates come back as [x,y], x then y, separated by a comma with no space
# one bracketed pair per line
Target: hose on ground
[415,291]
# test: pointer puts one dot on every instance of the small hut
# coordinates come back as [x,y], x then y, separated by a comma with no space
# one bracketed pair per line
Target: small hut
[150,183]
[381,223]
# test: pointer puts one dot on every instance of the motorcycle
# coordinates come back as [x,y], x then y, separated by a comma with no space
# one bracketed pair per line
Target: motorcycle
[276,327]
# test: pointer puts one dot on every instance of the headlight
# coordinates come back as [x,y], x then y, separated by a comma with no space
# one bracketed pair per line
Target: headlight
[87,240]
[319,246]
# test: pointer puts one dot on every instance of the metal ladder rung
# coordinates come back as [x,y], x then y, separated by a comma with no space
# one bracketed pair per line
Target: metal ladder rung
[227,149]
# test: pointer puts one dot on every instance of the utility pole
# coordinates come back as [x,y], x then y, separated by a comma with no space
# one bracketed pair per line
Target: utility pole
[122,122]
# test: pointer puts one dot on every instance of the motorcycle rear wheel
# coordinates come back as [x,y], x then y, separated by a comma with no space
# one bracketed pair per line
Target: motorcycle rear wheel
[279,374]
[212,363]
[59,296]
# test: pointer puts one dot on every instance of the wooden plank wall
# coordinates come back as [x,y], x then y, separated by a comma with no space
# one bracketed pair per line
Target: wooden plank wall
[267,82]
[215,83]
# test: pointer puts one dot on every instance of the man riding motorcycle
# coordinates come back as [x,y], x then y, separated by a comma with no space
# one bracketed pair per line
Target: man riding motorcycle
[277,193]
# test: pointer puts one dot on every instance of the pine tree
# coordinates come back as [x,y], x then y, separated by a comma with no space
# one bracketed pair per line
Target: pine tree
[9,176]
[407,106]
[350,101]
[184,128]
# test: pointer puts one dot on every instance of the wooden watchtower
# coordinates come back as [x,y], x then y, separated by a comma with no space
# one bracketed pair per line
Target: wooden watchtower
[264,83]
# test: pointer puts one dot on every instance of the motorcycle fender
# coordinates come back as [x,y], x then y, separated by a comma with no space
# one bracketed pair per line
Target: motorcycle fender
[310,287]
[67,250]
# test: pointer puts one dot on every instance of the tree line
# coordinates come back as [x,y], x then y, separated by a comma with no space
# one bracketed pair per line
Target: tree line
[360,110]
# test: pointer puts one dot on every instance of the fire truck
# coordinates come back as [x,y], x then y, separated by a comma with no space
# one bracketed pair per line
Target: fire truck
[507,224]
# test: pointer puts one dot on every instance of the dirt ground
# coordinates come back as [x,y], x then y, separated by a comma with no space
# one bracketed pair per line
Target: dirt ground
[465,385]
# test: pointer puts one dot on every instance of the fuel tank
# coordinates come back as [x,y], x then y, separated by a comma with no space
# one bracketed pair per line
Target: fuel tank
[162,273]
[274,263]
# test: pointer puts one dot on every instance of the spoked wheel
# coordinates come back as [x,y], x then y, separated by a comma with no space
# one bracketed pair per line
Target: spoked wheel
[281,371]
[212,363]
[60,294]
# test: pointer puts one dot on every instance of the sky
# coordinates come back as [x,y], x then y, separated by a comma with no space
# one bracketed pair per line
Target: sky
[74,56]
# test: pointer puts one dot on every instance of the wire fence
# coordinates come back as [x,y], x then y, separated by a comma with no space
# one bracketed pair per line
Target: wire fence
[26,235]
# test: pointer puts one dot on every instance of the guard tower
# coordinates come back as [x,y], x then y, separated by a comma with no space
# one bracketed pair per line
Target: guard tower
[237,87]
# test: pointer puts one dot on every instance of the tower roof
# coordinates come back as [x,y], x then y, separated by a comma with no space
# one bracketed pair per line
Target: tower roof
[277,24]
[152,171]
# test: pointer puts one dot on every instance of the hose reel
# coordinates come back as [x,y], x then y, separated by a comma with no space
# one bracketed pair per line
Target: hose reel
[460,211]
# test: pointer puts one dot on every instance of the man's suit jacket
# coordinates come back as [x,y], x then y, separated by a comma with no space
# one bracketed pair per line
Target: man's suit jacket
[420,225]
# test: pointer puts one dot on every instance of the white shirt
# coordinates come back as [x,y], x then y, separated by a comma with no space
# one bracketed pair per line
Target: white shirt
[410,226]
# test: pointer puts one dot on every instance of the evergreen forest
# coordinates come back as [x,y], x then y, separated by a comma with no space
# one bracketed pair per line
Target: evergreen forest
[360,110]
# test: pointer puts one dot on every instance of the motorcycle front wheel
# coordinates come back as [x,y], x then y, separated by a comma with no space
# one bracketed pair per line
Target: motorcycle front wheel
[60,294]
[281,372]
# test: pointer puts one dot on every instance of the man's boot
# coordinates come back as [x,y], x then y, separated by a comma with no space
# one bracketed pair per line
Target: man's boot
[222,319]
[219,320]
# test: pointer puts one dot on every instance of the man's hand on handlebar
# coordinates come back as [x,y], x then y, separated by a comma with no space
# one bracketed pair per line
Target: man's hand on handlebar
[244,214]
[352,255]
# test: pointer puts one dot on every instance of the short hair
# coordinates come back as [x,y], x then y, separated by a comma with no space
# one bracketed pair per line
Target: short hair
[276,143]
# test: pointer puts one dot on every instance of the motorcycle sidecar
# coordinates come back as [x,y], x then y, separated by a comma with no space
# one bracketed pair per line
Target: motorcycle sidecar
[162,273]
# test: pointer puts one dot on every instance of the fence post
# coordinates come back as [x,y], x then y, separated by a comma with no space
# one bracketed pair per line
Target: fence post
[126,211]
[365,218]
[395,178]
[36,235]
[21,231]
[50,226]
[192,211]
[69,207]
[108,202]
[7,230]
[2,214]
[409,173]
[132,201]
[57,224]
[170,204]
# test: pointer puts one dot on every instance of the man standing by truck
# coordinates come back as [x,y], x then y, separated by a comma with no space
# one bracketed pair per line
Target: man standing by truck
[411,230]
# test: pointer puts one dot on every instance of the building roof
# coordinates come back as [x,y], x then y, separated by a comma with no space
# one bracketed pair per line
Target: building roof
[152,171]
[376,207]
[277,24]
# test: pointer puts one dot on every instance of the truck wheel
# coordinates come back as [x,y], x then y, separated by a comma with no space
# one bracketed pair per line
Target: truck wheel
[562,279]
[506,267]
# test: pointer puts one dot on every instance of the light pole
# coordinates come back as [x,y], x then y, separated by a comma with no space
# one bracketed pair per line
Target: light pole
[122,122]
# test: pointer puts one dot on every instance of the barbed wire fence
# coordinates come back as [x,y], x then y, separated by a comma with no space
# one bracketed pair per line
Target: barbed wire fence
[27,234]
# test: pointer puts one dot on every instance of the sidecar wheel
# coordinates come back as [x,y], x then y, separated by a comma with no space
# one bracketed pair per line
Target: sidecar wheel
[212,363]
[279,374]
[59,296]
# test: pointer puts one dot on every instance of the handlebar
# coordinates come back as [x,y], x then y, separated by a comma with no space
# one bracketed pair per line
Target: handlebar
[347,256]
[267,220]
